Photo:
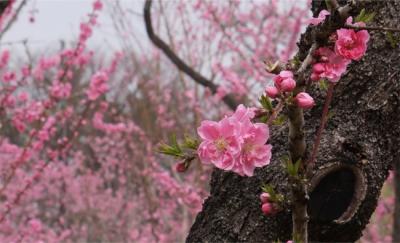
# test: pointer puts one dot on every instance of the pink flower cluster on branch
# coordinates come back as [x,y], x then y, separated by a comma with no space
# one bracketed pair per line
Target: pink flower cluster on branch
[235,143]
[331,62]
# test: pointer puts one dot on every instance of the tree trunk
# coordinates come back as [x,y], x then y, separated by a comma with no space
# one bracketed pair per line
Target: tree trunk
[357,148]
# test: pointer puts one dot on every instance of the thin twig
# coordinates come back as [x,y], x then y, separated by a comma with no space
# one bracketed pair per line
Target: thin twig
[324,120]
[378,28]
[307,61]
[14,18]
[275,113]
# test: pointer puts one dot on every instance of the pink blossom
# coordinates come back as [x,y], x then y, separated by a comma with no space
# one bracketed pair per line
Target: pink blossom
[97,5]
[235,143]
[4,58]
[8,77]
[304,100]
[36,225]
[243,114]
[220,145]
[349,21]
[267,208]
[288,85]
[265,197]
[98,85]
[272,92]
[86,32]
[282,76]
[330,66]
[321,17]
[254,150]
[351,44]
[60,90]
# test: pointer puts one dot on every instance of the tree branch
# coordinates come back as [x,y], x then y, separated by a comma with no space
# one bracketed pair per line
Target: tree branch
[179,63]
[13,19]
[390,29]
[324,119]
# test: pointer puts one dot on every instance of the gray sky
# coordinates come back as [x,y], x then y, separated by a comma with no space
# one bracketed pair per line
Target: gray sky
[57,20]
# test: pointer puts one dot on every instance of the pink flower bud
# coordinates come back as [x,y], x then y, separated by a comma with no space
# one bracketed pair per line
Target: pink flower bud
[288,85]
[181,167]
[282,76]
[272,92]
[318,68]
[265,197]
[304,100]
[315,77]
[267,208]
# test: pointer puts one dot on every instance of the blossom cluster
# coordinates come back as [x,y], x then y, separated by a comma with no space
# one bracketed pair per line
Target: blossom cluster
[331,62]
[268,206]
[328,62]
[235,143]
[283,85]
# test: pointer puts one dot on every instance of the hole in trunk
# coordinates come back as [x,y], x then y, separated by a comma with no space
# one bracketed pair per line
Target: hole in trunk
[336,193]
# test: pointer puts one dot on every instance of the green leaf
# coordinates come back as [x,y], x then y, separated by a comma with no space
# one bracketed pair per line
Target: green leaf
[280,120]
[297,166]
[323,85]
[369,17]
[264,119]
[296,61]
[291,168]
[173,149]
[174,143]
[330,114]
[164,148]
[275,197]
[360,16]
[392,40]
[190,143]
[266,103]
[365,17]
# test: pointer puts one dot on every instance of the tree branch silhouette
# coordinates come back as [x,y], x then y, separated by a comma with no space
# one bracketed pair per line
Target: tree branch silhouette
[179,63]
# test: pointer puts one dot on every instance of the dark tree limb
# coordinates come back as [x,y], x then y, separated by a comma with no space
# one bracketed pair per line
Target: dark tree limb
[179,63]
[357,149]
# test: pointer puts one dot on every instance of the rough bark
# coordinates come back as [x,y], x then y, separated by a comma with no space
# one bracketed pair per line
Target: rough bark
[357,149]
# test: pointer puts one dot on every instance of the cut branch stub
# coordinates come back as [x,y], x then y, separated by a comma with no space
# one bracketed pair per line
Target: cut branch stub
[336,192]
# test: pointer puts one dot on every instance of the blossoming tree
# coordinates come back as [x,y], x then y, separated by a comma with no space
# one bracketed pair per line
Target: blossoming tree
[79,130]
[327,185]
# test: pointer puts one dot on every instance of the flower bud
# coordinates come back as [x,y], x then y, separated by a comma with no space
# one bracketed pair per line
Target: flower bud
[265,197]
[181,167]
[315,77]
[282,76]
[288,85]
[304,100]
[318,68]
[267,208]
[272,92]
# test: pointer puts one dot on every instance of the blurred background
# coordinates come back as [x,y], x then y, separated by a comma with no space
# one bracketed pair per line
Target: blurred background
[85,99]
